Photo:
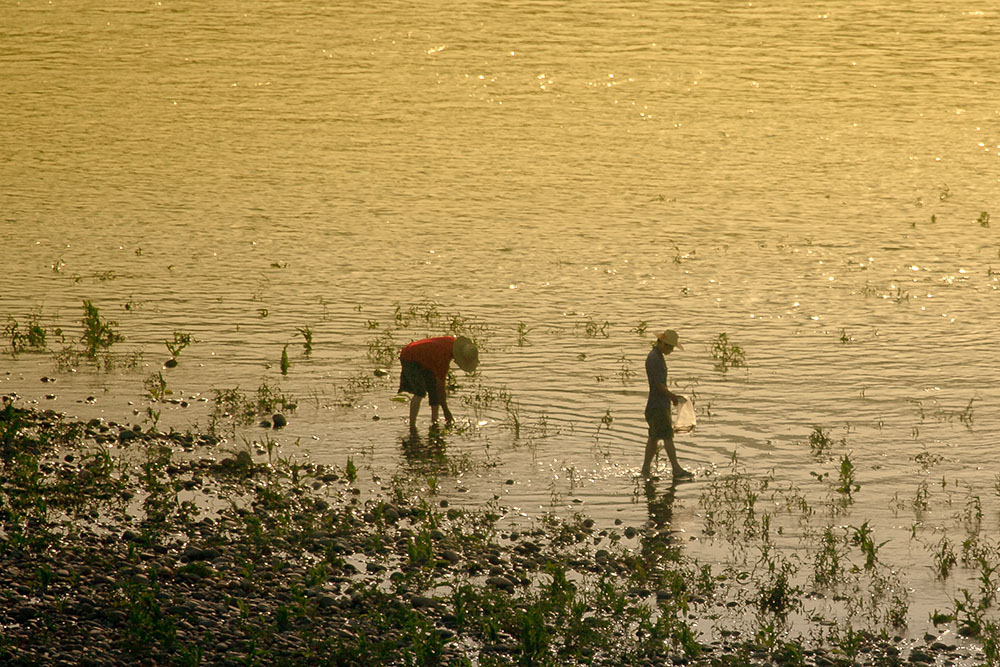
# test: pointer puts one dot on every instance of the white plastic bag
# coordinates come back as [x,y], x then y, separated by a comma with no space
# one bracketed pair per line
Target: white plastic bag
[685,420]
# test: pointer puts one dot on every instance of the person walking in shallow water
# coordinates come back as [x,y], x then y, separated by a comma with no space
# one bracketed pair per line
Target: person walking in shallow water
[658,404]
[425,372]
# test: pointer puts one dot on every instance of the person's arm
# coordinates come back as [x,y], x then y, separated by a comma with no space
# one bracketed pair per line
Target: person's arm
[443,395]
[661,389]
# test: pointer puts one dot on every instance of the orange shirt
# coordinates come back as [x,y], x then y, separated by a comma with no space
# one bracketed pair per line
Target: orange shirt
[434,354]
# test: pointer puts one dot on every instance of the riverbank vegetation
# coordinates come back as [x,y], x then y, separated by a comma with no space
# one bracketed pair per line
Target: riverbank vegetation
[121,545]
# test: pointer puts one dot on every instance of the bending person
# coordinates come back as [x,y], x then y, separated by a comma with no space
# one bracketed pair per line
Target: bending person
[425,372]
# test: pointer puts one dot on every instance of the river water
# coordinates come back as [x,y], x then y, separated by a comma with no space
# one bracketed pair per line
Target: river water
[813,180]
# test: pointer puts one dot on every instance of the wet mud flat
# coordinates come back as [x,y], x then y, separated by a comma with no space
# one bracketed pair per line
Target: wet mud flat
[123,546]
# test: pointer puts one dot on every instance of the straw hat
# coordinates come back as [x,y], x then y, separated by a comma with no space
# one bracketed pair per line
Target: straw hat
[466,354]
[671,338]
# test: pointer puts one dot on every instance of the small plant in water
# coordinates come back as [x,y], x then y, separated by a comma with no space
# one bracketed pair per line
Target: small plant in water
[847,485]
[593,329]
[606,421]
[522,333]
[625,371]
[863,538]
[727,354]
[32,337]
[307,334]
[820,442]
[984,219]
[98,334]
[181,340]
[944,558]
[513,410]
[966,415]
[285,364]
[920,500]
[156,387]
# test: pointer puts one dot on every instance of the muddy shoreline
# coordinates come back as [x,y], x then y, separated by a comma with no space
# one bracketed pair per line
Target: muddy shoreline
[180,551]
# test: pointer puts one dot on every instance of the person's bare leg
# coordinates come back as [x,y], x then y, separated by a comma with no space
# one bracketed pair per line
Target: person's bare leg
[648,459]
[675,466]
[414,410]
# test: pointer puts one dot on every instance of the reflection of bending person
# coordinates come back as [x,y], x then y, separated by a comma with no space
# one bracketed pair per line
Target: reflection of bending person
[425,372]
[658,404]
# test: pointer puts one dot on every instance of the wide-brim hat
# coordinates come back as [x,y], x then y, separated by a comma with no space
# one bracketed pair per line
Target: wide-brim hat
[466,354]
[671,338]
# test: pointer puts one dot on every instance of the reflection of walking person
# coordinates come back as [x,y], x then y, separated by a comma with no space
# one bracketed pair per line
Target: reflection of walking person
[425,372]
[658,403]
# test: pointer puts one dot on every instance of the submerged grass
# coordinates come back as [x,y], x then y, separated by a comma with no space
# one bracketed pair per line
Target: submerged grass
[727,354]
[30,337]
[233,408]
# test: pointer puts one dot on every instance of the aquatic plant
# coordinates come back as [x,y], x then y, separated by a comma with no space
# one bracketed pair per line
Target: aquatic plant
[152,416]
[31,338]
[285,364]
[847,485]
[863,538]
[972,516]
[307,335]
[944,558]
[522,333]
[625,372]
[926,460]
[383,349]
[966,415]
[820,442]
[827,569]
[984,219]
[181,341]
[156,386]
[98,335]
[920,500]
[606,421]
[593,328]
[240,409]
[512,410]
[727,354]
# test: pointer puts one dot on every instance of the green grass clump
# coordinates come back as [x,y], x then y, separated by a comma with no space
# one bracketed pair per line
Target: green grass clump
[727,354]
[181,340]
[98,334]
[238,408]
[307,336]
[31,337]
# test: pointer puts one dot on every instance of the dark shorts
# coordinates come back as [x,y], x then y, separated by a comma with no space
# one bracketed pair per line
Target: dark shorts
[659,424]
[417,380]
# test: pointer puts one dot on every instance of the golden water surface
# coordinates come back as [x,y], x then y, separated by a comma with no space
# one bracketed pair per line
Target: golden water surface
[814,180]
